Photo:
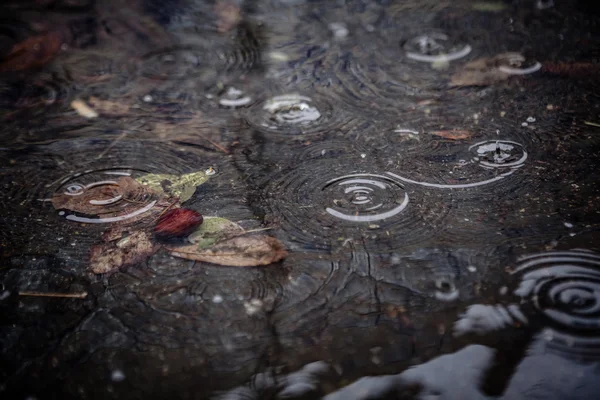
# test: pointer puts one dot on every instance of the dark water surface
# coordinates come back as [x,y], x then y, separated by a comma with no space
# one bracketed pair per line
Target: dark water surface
[441,217]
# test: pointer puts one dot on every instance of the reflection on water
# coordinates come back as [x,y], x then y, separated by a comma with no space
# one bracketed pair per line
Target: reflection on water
[429,166]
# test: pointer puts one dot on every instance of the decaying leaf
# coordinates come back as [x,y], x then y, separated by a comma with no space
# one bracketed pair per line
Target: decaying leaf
[452,135]
[213,230]
[32,53]
[182,186]
[109,257]
[97,199]
[83,109]
[480,72]
[109,107]
[229,15]
[240,251]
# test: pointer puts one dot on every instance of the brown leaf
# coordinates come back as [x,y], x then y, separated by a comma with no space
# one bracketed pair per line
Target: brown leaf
[480,72]
[32,53]
[109,257]
[452,135]
[229,15]
[241,251]
[108,107]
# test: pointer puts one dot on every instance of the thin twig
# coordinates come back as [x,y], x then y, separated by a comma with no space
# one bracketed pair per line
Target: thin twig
[81,295]
[591,124]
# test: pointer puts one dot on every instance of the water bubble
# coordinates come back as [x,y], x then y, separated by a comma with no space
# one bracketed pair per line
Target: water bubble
[292,109]
[499,154]
[434,48]
[117,376]
[339,30]
[445,289]
[365,197]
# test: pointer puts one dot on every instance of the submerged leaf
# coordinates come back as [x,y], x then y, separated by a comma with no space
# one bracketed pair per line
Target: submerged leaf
[135,248]
[32,53]
[480,72]
[241,251]
[452,135]
[182,186]
[213,230]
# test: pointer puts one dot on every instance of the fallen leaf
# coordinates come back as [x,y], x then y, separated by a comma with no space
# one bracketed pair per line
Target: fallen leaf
[452,135]
[182,186]
[32,53]
[480,72]
[108,107]
[229,15]
[121,202]
[213,230]
[177,223]
[83,109]
[109,257]
[241,251]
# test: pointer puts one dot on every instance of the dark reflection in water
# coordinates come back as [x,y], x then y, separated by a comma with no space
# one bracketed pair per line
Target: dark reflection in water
[430,166]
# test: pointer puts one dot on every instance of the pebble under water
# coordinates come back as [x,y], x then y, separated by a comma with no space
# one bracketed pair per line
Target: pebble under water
[430,167]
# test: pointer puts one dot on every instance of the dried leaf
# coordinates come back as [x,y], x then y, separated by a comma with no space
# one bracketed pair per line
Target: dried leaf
[480,72]
[83,109]
[109,257]
[241,251]
[452,135]
[213,230]
[182,186]
[229,15]
[32,53]
[108,107]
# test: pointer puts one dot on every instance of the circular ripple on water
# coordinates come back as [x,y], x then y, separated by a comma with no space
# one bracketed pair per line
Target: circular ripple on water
[463,166]
[296,114]
[321,202]
[200,61]
[103,202]
[565,288]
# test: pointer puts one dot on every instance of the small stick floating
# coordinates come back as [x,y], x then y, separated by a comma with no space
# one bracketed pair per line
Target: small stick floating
[81,295]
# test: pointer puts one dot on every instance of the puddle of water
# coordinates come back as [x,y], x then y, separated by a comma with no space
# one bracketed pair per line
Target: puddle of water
[427,224]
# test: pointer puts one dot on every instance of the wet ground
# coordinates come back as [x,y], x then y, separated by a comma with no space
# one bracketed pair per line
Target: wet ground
[430,166]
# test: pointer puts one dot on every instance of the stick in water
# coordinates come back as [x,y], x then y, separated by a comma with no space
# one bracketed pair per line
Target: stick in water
[81,295]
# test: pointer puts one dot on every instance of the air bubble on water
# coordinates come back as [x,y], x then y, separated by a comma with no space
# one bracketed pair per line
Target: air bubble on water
[253,306]
[4,295]
[147,98]
[339,30]
[292,109]
[217,299]
[524,124]
[117,376]
[568,225]
[530,119]
[446,290]
[472,268]
[61,213]
[210,171]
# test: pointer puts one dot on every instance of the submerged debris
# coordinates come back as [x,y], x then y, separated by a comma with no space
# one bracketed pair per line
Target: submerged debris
[135,248]
[491,70]
[83,109]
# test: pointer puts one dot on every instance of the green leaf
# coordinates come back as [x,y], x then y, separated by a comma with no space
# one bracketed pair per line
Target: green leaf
[182,186]
[213,230]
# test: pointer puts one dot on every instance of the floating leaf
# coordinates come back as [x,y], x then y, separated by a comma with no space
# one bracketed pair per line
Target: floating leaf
[241,251]
[214,229]
[182,186]
[480,72]
[452,135]
[109,257]
[177,223]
